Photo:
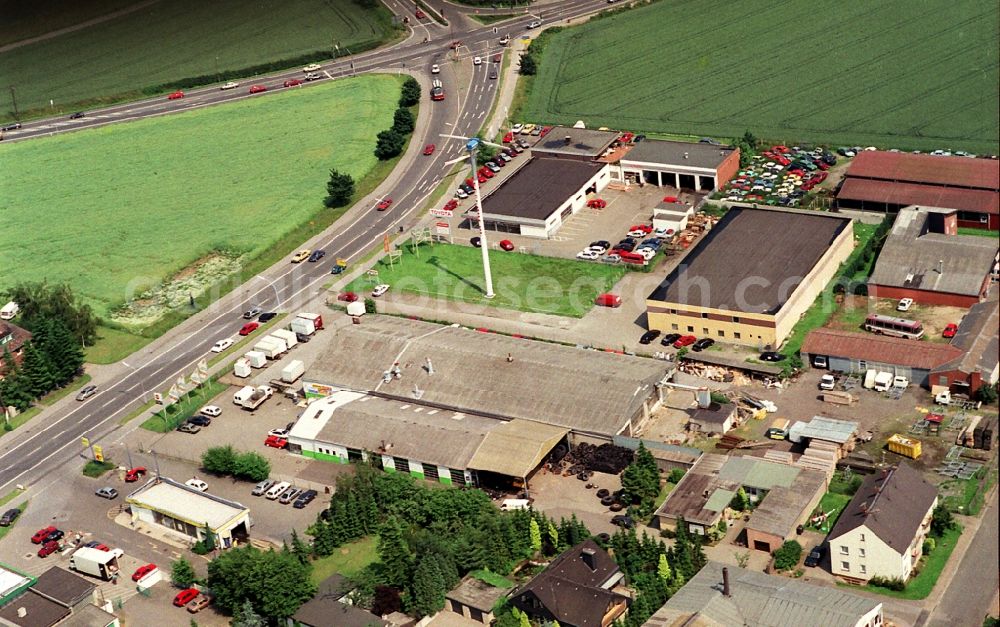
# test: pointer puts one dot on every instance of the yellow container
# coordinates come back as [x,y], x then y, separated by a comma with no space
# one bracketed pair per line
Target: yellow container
[907,447]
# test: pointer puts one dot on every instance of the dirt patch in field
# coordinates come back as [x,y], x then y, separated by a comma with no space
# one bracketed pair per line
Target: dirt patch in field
[191,282]
[850,316]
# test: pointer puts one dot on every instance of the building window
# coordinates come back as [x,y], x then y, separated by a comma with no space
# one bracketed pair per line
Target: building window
[704,330]
[722,333]
[673,327]
[673,311]
[863,569]
[943,379]
[736,319]
[690,329]
[845,566]
[844,550]
[862,537]
[861,552]
[704,315]
[863,365]
[457,476]
[736,334]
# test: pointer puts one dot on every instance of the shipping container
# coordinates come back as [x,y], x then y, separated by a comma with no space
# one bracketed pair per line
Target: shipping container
[908,447]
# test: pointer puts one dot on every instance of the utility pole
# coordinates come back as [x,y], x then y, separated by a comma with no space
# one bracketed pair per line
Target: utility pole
[13,99]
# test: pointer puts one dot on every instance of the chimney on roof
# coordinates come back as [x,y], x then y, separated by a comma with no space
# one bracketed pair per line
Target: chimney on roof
[725,582]
[589,557]
[568,140]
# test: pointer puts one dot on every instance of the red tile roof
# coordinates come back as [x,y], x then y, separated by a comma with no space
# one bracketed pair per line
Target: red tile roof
[869,190]
[934,170]
[879,348]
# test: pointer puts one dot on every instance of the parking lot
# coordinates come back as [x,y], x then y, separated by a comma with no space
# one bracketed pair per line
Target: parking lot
[562,497]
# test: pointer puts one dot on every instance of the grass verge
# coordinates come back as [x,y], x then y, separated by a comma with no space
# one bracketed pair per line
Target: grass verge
[10,496]
[920,586]
[347,560]
[168,419]
[136,413]
[964,230]
[95,469]
[52,397]
[492,19]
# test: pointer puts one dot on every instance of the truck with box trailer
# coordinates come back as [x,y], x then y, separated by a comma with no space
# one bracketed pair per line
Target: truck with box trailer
[292,371]
[257,398]
[272,348]
[307,323]
[241,368]
[95,562]
[257,359]
[883,381]
[286,335]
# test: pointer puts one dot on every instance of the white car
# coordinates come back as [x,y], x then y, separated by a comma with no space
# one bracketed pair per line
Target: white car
[647,253]
[278,433]
[312,67]
[516,128]
[827,382]
[221,345]
[535,24]
[460,193]
[637,233]
[197,484]
[589,255]
[662,232]
[230,85]
[211,410]
[477,61]
[435,69]
[380,289]
[904,304]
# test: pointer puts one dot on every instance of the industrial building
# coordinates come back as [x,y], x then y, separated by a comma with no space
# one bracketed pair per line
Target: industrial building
[752,276]
[57,598]
[722,594]
[978,339]
[683,165]
[886,181]
[189,514]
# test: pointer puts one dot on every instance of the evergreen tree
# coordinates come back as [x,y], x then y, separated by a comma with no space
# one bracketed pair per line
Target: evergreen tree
[410,93]
[641,480]
[663,568]
[182,573]
[339,189]
[529,66]
[740,502]
[553,537]
[13,391]
[323,544]
[536,536]
[522,619]
[64,352]
[247,617]
[35,369]
[403,121]
[388,144]
[394,553]
[300,549]
[428,589]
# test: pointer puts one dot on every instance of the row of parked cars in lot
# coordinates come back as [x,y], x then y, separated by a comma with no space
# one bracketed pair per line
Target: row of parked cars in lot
[488,170]
[677,340]
[780,175]
[284,493]
[639,246]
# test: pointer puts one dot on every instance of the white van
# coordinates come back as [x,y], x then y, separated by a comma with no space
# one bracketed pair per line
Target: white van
[277,490]
[9,310]
[243,395]
[511,504]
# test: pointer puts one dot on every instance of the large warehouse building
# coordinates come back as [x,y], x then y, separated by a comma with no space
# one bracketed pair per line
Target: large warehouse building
[701,167]
[889,181]
[752,276]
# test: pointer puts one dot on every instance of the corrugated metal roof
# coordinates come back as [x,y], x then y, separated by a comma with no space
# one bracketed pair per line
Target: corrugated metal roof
[760,600]
[829,429]
[784,506]
[180,501]
[878,348]
[869,190]
[951,171]
[720,500]
[978,337]
[516,448]
[678,154]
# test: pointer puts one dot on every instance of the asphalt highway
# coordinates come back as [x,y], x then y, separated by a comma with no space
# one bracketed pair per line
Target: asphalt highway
[27,460]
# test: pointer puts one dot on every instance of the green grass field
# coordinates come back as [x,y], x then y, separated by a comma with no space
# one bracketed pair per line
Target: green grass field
[117,209]
[167,41]
[892,74]
[348,560]
[523,282]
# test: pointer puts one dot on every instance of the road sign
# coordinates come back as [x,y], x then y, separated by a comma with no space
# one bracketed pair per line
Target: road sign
[158,398]
[98,453]
[85,442]
[442,228]
[442,213]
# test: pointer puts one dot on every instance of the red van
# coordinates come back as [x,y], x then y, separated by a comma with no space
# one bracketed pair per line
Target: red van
[628,257]
[608,300]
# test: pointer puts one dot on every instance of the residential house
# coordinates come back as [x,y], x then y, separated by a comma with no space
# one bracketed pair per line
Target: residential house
[327,607]
[12,339]
[576,589]
[474,599]
[881,531]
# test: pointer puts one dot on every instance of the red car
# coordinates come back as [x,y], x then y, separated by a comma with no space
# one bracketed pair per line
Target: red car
[545,131]
[275,441]
[420,14]
[142,571]
[685,340]
[185,596]
[508,138]
[292,82]
[950,330]
[177,95]
[348,297]
[256,89]
[48,548]
[429,149]
[482,178]
[597,203]
[385,204]
[608,300]
[41,534]
[249,328]
[497,58]
[645,228]
[134,474]
[507,245]
[451,205]
[626,137]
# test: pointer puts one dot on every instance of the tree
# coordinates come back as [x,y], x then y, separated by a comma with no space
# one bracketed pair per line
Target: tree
[251,466]
[300,548]
[394,553]
[403,121]
[182,573]
[987,394]
[63,351]
[941,521]
[37,373]
[740,501]
[663,568]
[246,617]
[388,144]
[13,391]
[748,145]
[339,190]
[536,536]
[41,301]
[675,475]
[428,589]
[641,480]
[219,460]
[410,93]
[528,66]
[274,583]
[787,555]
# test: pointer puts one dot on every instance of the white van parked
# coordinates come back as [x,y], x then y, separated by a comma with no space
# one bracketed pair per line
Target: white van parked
[243,395]
[277,490]
[9,310]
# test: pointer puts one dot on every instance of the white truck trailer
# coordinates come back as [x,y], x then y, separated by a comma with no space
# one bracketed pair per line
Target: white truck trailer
[287,336]
[95,562]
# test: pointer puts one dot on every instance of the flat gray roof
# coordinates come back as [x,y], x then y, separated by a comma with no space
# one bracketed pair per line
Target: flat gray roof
[686,154]
[185,503]
[780,511]
[752,260]
[829,429]
[558,385]
[539,188]
[583,142]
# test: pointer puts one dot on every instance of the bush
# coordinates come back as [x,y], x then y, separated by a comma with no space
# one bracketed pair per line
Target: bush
[182,573]
[719,397]
[529,67]
[675,475]
[892,583]
[389,144]
[410,93]
[929,545]
[941,521]
[339,190]
[219,460]
[251,466]
[370,306]
[987,394]
[403,121]
[788,555]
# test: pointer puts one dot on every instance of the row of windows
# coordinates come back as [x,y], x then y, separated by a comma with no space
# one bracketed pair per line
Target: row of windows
[846,567]
[844,551]
[705,315]
[704,331]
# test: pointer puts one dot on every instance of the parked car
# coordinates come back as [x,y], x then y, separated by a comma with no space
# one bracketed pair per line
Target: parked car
[142,571]
[134,474]
[292,82]
[48,548]
[827,382]
[249,328]
[772,356]
[9,517]
[670,338]
[201,421]
[289,495]
[588,255]
[815,556]
[262,487]
[279,433]
[86,392]
[197,484]
[347,297]
[507,245]
[197,604]
[622,520]
[275,442]
[597,203]
[685,340]
[185,596]
[476,242]
[608,300]
[221,345]
[41,534]
[211,410]
[316,255]
[177,95]
[904,304]
[56,535]
[604,244]
[107,492]
[380,289]
[950,330]
[253,312]
[384,204]
[187,427]
[305,498]
[301,256]
[256,89]
[649,336]
[702,344]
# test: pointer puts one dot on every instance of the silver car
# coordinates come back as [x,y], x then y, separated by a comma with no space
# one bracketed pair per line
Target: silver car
[86,392]
[290,495]
[262,487]
[107,492]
